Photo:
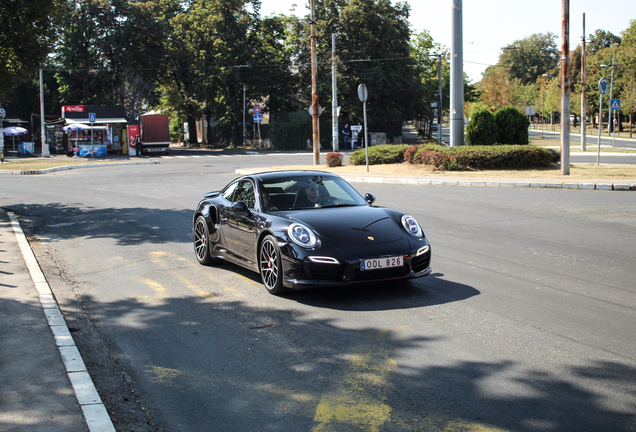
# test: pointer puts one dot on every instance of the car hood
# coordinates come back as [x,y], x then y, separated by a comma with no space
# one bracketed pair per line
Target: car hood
[357,225]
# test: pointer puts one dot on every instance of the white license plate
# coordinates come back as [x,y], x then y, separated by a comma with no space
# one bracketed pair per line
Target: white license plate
[381,263]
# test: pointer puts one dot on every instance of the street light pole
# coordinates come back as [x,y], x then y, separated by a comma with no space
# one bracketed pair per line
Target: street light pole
[314,87]
[549,76]
[583,104]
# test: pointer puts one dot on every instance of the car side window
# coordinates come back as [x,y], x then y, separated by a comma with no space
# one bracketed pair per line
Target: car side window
[229,191]
[245,192]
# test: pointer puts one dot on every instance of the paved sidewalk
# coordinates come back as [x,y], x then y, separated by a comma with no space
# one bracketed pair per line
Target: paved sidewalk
[44,385]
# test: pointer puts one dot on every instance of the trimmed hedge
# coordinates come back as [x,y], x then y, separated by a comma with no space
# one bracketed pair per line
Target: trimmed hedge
[460,158]
[380,154]
[486,157]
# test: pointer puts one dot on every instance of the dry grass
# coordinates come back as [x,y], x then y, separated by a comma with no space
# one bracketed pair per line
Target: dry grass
[41,164]
[578,171]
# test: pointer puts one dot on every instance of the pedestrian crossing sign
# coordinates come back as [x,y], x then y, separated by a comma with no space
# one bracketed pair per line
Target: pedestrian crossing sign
[615,104]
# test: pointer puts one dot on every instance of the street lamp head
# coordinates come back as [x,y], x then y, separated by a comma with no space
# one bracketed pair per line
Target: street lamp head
[604,66]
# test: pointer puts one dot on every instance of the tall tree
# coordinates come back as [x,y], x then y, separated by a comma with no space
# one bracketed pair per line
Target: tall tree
[497,88]
[217,46]
[602,39]
[26,35]
[529,58]
[373,47]
[111,51]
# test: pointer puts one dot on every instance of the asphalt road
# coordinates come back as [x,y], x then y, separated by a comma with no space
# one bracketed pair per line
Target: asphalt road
[526,324]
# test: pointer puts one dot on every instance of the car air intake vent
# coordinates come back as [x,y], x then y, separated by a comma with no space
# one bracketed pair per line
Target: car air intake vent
[326,271]
[421,263]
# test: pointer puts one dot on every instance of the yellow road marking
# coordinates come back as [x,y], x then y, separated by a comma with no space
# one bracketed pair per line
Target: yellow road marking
[360,400]
[159,290]
[157,258]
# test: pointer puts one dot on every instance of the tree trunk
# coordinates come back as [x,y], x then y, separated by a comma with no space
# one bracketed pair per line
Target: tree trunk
[620,122]
[192,129]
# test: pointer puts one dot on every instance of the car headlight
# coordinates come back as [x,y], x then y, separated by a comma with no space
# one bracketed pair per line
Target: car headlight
[301,235]
[411,225]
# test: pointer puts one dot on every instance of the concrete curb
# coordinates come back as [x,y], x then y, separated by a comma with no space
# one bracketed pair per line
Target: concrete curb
[70,167]
[538,184]
[95,414]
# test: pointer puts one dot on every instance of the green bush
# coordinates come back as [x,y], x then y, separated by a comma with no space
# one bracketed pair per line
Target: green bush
[512,126]
[380,154]
[485,157]
[481,129]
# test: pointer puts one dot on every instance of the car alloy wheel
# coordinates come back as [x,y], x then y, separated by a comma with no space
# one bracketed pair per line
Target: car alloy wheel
[270,265]
[201,241]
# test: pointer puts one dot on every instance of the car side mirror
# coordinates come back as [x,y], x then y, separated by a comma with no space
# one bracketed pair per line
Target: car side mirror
[370,198]
[240,207]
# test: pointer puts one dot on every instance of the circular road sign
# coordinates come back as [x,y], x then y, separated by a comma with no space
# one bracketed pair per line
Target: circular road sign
[603,86]
[3,113]
[257,109]
[363,93]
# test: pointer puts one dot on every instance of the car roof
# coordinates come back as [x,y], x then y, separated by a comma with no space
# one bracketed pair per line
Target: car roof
[275,175]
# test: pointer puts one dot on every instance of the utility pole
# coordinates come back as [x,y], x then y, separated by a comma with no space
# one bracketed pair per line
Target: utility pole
[457,79]
[243,115]
[334,96]
[583,106]
[439,100]
[565,88]
[45,147]
[315,115]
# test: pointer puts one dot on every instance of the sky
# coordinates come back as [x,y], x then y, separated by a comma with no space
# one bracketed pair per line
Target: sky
[489,25]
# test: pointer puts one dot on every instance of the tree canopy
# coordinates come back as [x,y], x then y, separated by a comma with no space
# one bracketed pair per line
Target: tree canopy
[27,35]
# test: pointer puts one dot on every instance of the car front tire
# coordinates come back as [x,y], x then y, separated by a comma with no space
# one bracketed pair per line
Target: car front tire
[270,265]
[201,241]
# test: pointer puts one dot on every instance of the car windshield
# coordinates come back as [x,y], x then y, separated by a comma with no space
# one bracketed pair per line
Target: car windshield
[309,191]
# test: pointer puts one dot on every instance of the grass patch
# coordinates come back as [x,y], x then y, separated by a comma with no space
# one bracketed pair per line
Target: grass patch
[578,171]
[40,164]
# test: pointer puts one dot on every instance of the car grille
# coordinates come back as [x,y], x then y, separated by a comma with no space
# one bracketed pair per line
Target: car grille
[326,271]
[421,263]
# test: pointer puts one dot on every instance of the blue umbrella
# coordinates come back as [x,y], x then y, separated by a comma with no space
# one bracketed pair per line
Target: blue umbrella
[14,131]
[75,127]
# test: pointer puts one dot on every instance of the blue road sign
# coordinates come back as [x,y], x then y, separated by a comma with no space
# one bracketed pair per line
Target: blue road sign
[603,86]
[258,118]
[615,104]
[92,117]
[3,113]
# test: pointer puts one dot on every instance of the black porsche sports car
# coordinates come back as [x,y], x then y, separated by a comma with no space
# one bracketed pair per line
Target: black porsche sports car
[300,228]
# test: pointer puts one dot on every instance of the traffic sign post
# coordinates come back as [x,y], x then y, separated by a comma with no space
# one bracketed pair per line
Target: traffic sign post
[3,114]
[615,104]
[363,95]
[258,119]
[91,118]
[602,89]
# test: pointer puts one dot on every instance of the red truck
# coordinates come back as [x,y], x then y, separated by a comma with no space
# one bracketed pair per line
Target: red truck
[154,133]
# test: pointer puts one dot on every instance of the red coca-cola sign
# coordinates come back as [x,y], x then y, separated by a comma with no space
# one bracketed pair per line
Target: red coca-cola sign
[73,108]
